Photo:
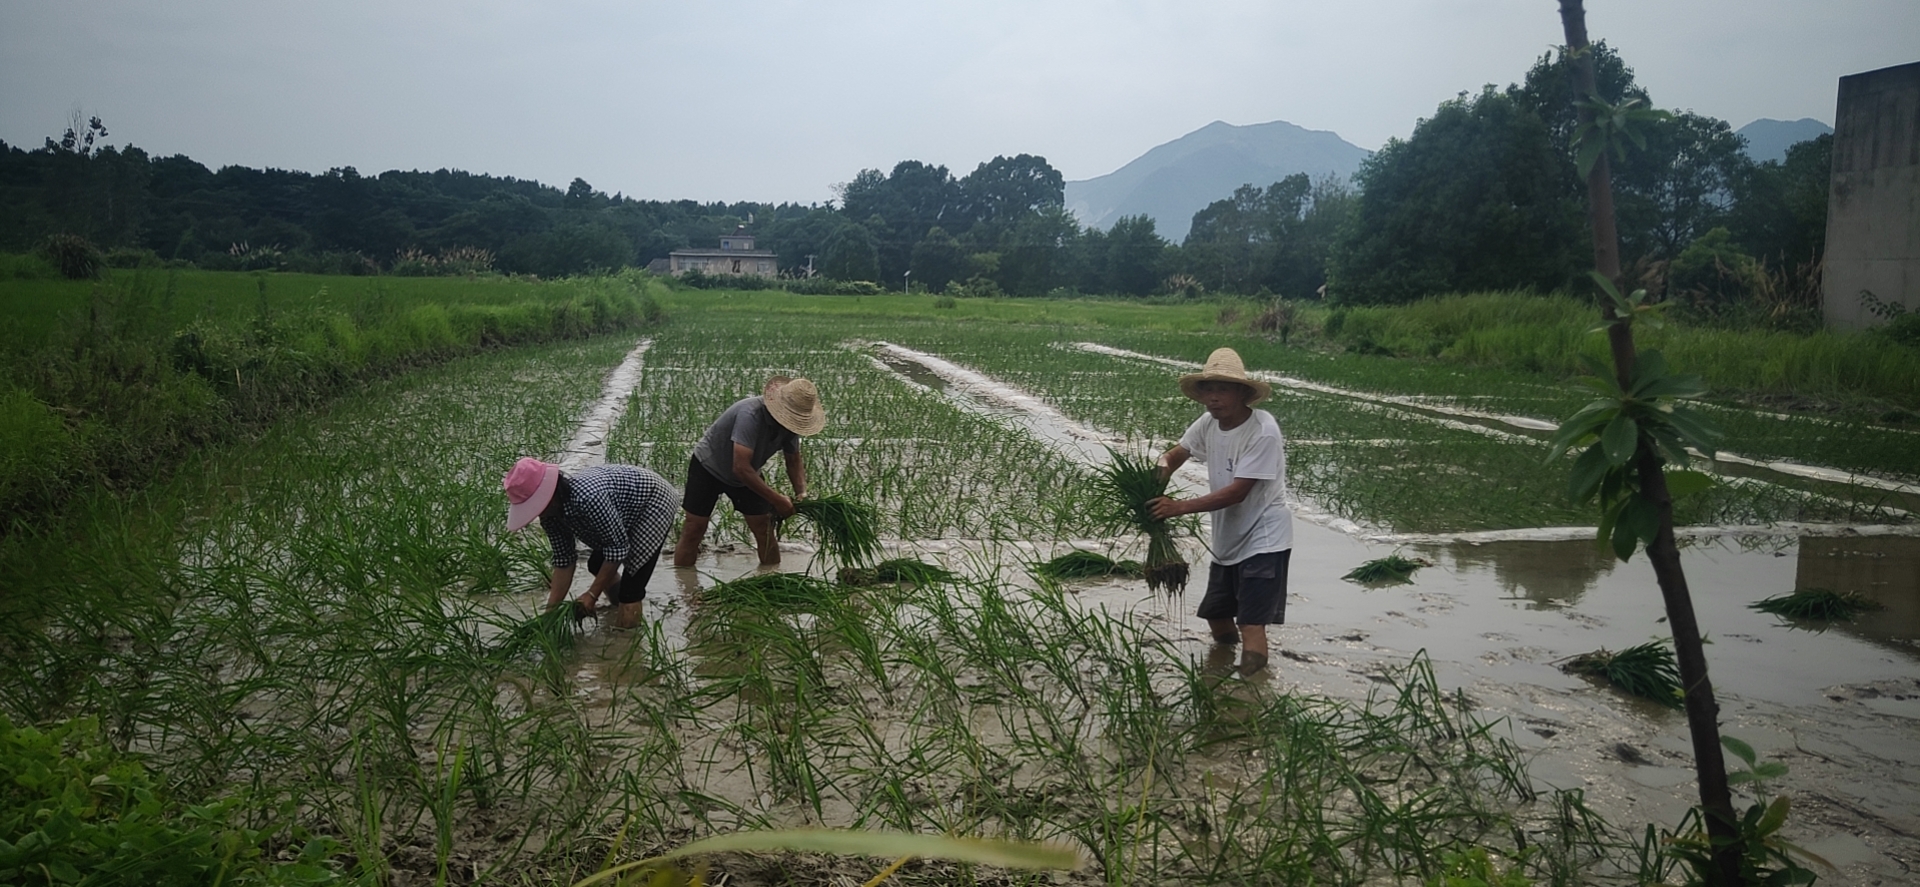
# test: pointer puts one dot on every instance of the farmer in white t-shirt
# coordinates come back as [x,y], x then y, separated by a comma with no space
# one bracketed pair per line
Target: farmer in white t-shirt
[1246,463]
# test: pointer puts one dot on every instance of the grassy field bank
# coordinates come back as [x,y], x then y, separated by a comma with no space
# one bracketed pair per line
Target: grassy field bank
[110,382]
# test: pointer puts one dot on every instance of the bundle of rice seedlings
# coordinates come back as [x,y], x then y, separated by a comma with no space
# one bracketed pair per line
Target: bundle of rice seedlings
[1128,483]
[1079,564]
[1647,670]
[1390,570]
[849,530]
[896,570]
[1816,603]
[774,592]
[549,632]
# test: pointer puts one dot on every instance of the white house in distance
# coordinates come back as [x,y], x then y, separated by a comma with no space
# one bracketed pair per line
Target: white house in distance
[736,255]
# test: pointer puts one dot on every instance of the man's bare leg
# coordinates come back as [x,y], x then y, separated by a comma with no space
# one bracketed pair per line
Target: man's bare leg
[692,530]
[1253,639]
[1224,631]
[761,525]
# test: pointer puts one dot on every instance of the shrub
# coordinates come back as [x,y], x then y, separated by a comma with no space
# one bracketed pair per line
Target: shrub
[976,288]
[74,256]
[133,258]
[827,286]
[76,812]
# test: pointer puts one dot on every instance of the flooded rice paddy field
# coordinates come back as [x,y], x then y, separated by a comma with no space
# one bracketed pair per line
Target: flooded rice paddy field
[347,635]
[1516,587]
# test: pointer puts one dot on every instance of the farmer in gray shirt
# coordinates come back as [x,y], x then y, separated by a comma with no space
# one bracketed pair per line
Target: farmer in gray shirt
[728,458]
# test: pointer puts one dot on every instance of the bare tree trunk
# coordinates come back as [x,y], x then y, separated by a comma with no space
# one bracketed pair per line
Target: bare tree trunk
[1702,711]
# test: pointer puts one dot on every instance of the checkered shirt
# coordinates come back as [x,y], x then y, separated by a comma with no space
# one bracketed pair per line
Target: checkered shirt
[621,511]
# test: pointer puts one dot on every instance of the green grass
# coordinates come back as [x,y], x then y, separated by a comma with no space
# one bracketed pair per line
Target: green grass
[31,310]
[118,387]
[1093,312]
[775,593]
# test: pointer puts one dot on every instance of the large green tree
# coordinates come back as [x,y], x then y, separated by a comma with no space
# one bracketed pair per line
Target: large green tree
[1474,199]
[1780,207]
[1276,238]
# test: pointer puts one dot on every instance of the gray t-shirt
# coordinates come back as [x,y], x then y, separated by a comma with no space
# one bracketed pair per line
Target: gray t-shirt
[749,424]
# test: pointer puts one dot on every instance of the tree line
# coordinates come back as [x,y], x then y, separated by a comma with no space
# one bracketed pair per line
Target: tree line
[1482,195]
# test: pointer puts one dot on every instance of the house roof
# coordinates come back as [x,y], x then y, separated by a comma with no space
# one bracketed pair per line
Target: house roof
[725,253]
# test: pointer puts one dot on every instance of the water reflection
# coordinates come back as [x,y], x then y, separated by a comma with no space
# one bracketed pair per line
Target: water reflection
[1546,574]
[1884,568]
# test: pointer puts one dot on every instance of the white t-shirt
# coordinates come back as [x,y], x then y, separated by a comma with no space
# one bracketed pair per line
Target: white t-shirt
[1261,523]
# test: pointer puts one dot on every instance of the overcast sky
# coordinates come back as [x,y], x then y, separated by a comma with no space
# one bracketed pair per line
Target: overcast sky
[779,99]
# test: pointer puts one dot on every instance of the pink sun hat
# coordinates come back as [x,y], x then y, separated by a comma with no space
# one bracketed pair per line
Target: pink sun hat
[529,488]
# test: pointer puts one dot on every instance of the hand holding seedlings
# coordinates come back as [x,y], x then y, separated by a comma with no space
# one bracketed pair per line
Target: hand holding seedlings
[1246,463]
[621,512]
[728,458]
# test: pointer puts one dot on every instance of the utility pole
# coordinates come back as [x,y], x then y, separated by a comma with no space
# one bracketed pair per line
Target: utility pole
[906,285]
[809,266]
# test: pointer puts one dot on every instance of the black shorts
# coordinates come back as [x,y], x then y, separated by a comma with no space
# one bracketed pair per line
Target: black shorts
[1251,592]
[704,491]
[634,576]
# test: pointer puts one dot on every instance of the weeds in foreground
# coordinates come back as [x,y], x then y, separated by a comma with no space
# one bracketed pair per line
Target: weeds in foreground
[1765,856]
[1817,604]
[1646,670]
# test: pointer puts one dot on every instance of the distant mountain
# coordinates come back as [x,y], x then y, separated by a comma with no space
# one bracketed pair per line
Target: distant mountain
[1177,179]
[1769,139]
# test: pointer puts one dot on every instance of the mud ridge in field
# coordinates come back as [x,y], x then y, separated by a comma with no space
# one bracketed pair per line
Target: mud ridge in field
[589,444]
[1479,422]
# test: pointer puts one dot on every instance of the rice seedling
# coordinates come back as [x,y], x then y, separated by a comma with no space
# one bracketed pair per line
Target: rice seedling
[1390,570]
[775,593]
[849,531]
[1128,484]
[1817,604]
[1646,670]
[896,570]
[550,632]
[1083,564]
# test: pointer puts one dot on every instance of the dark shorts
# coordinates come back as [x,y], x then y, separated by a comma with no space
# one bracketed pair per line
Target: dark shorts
[1251,592]
[704,491]
[634,576]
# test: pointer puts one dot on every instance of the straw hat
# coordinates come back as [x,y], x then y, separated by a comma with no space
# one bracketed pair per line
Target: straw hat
[796,406]
[1224,365]
[530,486]
[773,384]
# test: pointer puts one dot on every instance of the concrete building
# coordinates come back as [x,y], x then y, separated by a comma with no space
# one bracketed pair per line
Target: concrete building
[736,255]
[1873,205]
